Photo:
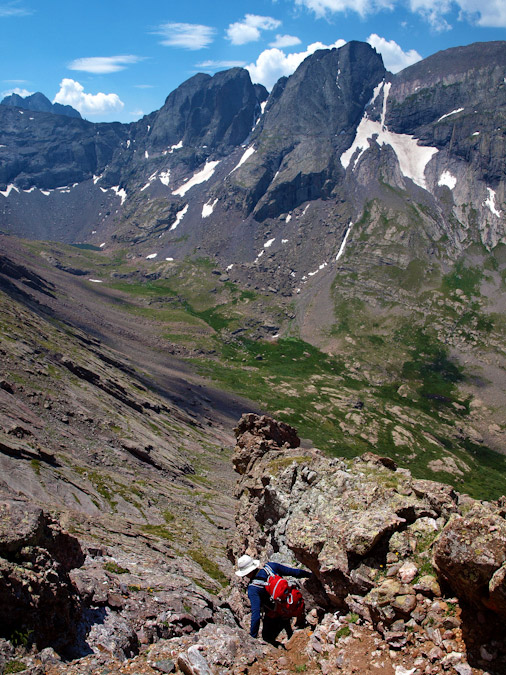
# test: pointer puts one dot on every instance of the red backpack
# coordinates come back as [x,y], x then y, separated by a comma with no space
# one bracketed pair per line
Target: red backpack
[286,598]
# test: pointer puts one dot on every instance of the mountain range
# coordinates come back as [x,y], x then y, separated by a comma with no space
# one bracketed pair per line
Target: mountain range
[359,211]
[39,103]
[331,253]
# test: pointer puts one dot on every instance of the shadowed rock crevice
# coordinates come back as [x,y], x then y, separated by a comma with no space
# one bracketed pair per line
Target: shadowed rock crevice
[37,598]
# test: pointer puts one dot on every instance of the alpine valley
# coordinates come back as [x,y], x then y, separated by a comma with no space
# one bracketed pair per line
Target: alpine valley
[331,253]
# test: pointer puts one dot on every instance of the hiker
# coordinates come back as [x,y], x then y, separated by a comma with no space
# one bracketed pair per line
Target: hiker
[276,618]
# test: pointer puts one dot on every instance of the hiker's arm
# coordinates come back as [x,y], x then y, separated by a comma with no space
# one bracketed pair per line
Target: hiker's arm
[286,571]
[256,603]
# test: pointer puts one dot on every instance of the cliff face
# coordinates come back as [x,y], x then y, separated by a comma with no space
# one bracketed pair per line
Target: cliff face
[389,548]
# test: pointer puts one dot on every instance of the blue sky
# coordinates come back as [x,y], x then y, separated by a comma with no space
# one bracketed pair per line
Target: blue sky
[118,60]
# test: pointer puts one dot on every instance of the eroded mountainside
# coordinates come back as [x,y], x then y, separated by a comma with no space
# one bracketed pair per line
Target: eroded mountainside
[408,577]
[103,427]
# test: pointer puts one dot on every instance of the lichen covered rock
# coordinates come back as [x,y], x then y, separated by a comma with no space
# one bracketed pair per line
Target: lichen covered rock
[380,543]
[470,555]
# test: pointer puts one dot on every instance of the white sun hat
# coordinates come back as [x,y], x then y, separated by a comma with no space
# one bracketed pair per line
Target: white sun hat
[246,564]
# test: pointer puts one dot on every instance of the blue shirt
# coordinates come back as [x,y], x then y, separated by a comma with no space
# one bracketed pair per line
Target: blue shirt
[258,595]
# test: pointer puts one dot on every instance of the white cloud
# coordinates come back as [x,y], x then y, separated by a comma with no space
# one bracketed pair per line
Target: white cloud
[104,64]
[433,12]
[248,30]
[486,13]
[273,63]
[20,92]
[212,65]
[362,7]
[9,9]
[72,93]
[491,14]
[394,57]
[285,41]
[186,35]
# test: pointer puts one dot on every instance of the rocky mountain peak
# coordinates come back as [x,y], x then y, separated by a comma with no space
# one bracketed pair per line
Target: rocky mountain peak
[39,103]
[310,120]
[208,112]
[327,93]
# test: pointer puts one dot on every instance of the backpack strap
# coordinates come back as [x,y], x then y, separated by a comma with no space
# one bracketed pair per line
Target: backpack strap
[260,582]
[269,570]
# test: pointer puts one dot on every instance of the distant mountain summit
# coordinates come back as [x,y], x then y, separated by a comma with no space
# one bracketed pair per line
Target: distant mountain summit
[275,182]
[39,103]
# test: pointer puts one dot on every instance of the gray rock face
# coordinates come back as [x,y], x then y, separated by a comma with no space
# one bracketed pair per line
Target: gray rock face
[50,151]
[308,125]
[471,557]
[206,112]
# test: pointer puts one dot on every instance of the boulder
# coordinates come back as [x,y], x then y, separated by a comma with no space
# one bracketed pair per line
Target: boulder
[470,555]
[114,635]
[37,597]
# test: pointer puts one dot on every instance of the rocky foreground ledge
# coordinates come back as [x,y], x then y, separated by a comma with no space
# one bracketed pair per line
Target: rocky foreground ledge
[409,578]
[420,563]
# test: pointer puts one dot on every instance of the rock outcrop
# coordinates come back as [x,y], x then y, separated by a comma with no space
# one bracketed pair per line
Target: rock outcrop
[389,548]
[38,602]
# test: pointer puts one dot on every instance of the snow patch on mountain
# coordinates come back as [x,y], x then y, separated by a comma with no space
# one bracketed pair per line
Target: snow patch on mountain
[171,148]
[165,177]
[121,193]
[179,217]
[447,179]
[9,189]
[208,208]
[150,180]
[343,243]
[453,112]
[243,159]
[200,177]
[490,202]
[413,158]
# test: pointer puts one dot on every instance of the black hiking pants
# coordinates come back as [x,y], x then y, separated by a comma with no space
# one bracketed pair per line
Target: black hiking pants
[272,627]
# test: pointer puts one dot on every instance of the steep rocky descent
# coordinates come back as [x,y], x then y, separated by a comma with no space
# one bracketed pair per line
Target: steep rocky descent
[39,103]
[368,531]
[380,544]
[124,449]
